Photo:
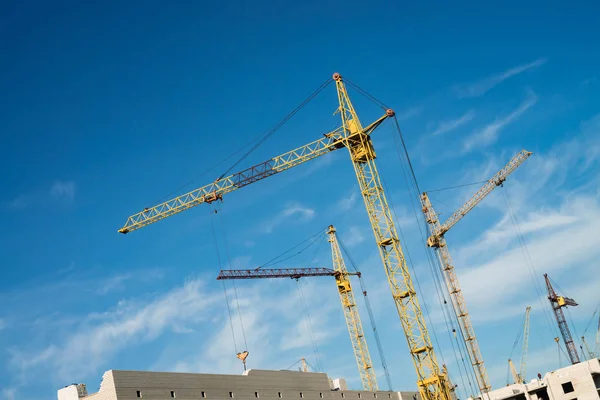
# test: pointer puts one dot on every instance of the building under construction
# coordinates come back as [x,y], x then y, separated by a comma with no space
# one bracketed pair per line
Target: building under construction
[432,377]
[252,384]
[576,382]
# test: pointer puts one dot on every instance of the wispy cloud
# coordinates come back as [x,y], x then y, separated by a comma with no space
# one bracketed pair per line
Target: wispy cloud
[9,394]
[409,113]
[489,133]
[353,236]
[348,202]
[100,336]
[113,283]
[64,190]
[2,324]
[295,211]
[450,125]
[481,87]
[278,337]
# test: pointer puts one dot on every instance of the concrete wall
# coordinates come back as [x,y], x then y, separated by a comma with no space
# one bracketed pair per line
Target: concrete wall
[255,384]
[575,382]
[133,385]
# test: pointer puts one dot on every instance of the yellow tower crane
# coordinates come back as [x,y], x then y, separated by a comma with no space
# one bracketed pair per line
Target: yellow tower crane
[521,376]
[357,336]
[431,381]
[525,347]
[349,307]
[437,241]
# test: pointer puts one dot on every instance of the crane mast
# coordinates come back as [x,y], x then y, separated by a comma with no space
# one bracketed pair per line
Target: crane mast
[438,242]
[558,302]
[525,346]
[598,339]
[431,380]
[514,373]
[355,329]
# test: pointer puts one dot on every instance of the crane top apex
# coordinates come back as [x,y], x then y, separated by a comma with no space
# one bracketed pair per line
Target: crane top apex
[337,77]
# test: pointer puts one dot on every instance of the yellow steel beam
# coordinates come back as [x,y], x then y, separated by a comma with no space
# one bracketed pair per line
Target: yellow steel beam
[353,322]
[431,381]
[492,183]
[216,190]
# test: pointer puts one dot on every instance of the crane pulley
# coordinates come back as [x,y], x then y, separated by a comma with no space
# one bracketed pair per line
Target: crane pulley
[431,380]
[438,242]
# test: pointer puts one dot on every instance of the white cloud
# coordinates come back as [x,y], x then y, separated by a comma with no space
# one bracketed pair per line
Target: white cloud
[113,283]
[450,125]
[353,237]
[409,113]
[100,336]
[555,248]
[555,221]
[9,394]
[63,190]
[483,86]
[293,211]
[489,133]
[276,338]
[348,202]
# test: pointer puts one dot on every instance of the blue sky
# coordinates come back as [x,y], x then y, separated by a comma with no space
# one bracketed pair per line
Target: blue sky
[107,108]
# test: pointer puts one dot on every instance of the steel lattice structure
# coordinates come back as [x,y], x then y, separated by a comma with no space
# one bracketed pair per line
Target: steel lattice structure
[438,242]
[431,380]
[558,302]
[353,322]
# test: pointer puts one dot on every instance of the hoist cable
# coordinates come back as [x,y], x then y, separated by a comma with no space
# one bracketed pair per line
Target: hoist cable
[371,317]
[313,238]
[309,326]
[436,272]
[212,225]
[529,261]
[455,187]
[592,319]
[290,367]
[366,94]
[518,338]
[237,301]
[274,129]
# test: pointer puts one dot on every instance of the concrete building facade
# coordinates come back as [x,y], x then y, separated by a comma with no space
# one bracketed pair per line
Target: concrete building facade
[575,382]
[253,384]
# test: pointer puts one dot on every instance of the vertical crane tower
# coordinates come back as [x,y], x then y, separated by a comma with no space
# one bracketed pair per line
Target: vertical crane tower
[438,242]
[355,329]
[558,302]
[431,381]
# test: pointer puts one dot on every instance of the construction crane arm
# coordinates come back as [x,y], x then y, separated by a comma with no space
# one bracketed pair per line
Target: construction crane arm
[514,373]
[496,180]
[214,191]
[293,273]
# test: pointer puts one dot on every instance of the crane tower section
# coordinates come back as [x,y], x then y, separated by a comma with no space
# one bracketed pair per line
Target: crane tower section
[438,242]
[353,322]
[558,302]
